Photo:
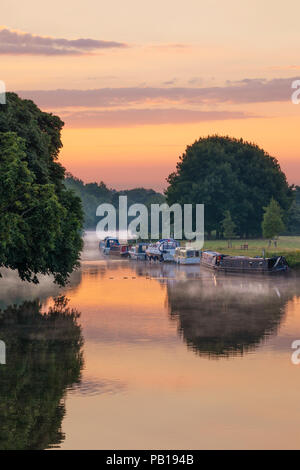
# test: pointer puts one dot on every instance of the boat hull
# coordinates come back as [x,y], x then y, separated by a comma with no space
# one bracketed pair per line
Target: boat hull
[232,270]
[243,264]
[186,261]
[137,256]
[114,249]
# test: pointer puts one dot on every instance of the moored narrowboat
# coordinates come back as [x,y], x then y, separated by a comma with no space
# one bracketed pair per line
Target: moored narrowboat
[243,264]
[138,251]
[163,250]
[112,246]
[186,256]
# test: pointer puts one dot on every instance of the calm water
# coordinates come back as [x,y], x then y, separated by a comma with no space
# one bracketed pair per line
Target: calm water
[161,357]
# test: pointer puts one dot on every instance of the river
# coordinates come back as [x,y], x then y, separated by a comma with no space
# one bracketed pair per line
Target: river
[161,357]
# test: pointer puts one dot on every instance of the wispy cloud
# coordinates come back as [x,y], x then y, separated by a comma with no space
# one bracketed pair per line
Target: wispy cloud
[142,117]
[245,91]
[19,43]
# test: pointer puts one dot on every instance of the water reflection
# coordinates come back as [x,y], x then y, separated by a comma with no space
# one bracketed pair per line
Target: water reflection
[44,359]
[149,332]
[216,316]
[221,317]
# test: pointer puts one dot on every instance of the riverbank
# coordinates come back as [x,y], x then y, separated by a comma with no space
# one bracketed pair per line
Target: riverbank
[286,246]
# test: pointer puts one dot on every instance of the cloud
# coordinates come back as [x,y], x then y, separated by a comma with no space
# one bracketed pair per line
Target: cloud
[18,43]
[195,81]
[245,91]
[141,117]
[170,82]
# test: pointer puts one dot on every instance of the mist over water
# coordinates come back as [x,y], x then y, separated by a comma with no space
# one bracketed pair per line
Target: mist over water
[165,357]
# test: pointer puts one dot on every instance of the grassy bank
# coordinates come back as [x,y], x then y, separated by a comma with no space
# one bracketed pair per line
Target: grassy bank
[286,246]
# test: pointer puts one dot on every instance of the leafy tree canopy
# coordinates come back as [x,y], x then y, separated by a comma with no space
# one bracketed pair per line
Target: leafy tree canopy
[229,174]
[272,224]
[293,224]
[40,220]
[228,226]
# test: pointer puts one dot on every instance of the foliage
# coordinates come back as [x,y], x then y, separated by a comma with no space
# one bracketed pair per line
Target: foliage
[228,226]
[293,258]
[293,219]
[40,221]
[272,224]
[94,194]
[293,224]
[229,174]
[44,359]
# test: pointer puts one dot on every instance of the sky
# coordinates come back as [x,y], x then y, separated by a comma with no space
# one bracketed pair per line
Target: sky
[137,82]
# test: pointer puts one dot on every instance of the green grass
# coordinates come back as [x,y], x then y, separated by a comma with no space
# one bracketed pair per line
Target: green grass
[286,246]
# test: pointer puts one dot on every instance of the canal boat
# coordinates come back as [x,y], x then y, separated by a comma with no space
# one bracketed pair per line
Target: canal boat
[243,264]
[187,256]
[138,251]
[112,246]
[163,250]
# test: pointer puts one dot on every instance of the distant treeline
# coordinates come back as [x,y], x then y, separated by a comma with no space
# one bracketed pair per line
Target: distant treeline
[94,194]
[293,223]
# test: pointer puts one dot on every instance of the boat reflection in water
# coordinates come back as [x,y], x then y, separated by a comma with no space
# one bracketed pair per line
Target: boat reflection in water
[44,359]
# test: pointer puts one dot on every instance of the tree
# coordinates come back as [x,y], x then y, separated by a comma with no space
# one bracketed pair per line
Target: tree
[40,220]
[228,227]
[93,194]
[293,216]
[272,224]
[229,174]
[293,223]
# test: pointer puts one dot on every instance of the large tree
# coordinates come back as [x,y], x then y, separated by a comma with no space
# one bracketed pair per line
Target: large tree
[40,220]
[229,174]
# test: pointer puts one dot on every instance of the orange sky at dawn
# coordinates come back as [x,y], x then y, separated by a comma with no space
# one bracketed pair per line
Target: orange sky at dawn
[136,83]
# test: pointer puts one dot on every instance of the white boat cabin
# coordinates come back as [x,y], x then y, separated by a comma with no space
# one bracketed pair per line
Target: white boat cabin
[187,256]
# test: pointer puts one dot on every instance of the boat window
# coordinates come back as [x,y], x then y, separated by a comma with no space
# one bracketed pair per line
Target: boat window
[169,246]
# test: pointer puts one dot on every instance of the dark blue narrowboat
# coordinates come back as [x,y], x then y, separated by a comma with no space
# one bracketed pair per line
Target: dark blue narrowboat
[243,264]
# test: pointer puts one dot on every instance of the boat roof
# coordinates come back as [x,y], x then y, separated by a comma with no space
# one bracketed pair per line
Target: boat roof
[184,248]
[254,258]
